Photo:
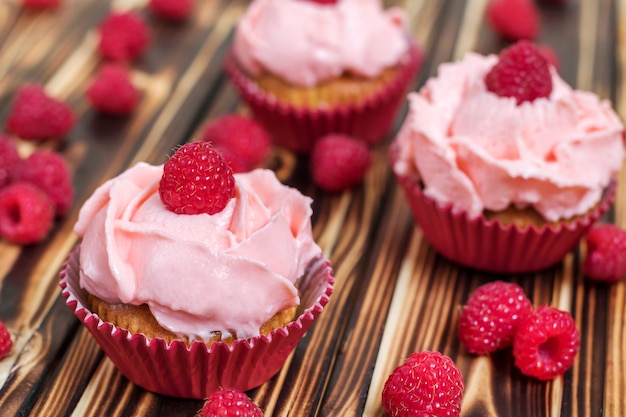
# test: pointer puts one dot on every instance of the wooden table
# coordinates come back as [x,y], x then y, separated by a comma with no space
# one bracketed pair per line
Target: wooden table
[393,295]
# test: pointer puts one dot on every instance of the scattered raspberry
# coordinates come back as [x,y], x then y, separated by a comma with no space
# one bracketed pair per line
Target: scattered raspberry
[550,55]
[606,253]
[112,92]
[123,36]
[521,72]
[26,213]
[230,403]
[490,317]
[8,159]
[514,19]
[36,116]
[5,341]
[239,136]
[427,384]
[546,343]
[196,179]
[49,172]
[339,162]
[40,4]
[175,10]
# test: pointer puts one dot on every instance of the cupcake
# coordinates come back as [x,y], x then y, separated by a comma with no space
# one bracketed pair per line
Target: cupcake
[502,176]
[307,69]
[186,303]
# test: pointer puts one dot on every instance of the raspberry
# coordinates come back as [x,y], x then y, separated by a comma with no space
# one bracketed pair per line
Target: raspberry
[521,72]
[5,341]
[490,317]
[49,172]
[123,36]
[26,213]
[36,116]
[514,19]
[112,92]
[196,179]
[339,162]
[606,253]
[229,403]
[240,136]
[40,4]
[8,159]
[174,10]
[427,384]
[546,343]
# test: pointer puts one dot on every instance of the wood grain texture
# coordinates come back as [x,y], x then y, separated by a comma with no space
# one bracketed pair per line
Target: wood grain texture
[393,295]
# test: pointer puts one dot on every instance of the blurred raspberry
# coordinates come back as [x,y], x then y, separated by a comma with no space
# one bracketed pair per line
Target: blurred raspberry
[606,253]
[26,213]
[174,10]
[514,19]
[36,116]
[5,340]
[112,92]
[41,4]
[339,162]
[9,158]
[123,36]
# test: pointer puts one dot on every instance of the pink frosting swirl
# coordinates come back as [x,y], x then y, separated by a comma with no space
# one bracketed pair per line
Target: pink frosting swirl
[305,43]
[198,273]
[478,151]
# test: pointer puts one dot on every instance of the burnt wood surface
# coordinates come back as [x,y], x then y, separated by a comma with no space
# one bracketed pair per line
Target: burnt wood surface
[393,295]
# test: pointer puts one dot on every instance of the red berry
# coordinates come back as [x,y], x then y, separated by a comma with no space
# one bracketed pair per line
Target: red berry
[40,4]
[26,213]
[50,173]
[490,317]
[196,179]
[514,19]
[427,384]
[9,158]
[5,341]
[175,10]
[239,136]
[546,343]
[112,91]
[606,253]
[123,36]
[229,403]
[521,72]
[339,162]
[37,116]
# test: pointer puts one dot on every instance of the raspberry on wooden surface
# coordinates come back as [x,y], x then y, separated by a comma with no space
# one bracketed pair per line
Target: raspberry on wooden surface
[606,253]
[521,72]
[112,91]
[175,10]
[427,384]
[339,162]
[36,116]
[124,36]
[196,179]
[489,319]
[514,19]
[5,340]
[229,402]
[546,343]
[26,214]
[9,157]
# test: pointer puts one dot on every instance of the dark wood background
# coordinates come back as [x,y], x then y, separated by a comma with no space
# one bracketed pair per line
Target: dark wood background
[393,294]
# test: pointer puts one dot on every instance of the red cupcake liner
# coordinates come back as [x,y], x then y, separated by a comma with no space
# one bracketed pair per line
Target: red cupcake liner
[488,244]
[297,129]
[196,371]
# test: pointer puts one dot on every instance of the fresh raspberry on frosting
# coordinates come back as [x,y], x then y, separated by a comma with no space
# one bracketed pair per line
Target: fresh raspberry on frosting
[123,36]
[521,72]
[243,142]
[490,317]
[606,253]
[40,4]
[196,179]
[37,116]
[174,10]
[50,173]
[514,19]
[229,402]
[112,91]
[339,162]
[26,213]
[427,384]
[546,343]
[5,340]
[9,157]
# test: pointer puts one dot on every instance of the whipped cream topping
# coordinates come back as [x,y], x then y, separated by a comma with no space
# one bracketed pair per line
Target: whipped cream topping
[477,151]
[231,271]
[305,43]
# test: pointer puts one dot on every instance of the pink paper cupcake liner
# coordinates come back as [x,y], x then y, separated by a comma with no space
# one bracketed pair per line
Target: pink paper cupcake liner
[297,129]
[196,371]
[488,244]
